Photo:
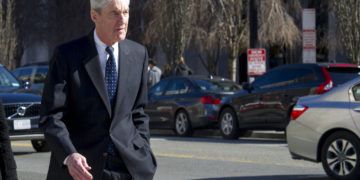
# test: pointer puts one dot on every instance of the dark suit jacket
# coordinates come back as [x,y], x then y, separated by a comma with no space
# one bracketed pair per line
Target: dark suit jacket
[77,116]
[7,162]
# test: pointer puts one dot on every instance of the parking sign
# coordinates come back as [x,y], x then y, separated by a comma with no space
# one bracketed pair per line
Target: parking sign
[256,61]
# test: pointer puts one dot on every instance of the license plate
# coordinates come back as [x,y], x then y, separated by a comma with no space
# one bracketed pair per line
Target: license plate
[22,124]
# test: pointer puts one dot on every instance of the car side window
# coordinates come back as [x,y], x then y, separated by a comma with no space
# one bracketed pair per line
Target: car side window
[24,74]
[268,80]
[283,77]
[178,86]
[158,89]
[40,75]
[356,92]
[300,75]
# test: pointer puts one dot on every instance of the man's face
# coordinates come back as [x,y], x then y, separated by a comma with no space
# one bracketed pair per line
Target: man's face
[112,21]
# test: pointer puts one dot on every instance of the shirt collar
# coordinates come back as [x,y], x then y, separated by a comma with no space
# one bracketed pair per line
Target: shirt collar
[101,45]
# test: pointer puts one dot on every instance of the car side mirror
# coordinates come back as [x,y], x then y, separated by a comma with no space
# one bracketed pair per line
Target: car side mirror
[26,84]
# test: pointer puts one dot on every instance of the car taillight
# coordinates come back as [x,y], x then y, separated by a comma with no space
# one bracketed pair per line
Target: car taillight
[210,100]
[297,111]
[327,85]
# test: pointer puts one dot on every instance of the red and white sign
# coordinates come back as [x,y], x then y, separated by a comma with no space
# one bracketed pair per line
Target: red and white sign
[309,36]
[256,61]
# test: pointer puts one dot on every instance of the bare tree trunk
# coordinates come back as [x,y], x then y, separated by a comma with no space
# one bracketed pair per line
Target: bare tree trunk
[348,16]
[10,47]
[233,62]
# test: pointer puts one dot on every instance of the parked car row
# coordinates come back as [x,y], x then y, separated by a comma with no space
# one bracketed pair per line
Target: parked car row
[185,104]
[324,125]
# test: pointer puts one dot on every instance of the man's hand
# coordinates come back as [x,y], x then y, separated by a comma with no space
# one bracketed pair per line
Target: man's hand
[78,167]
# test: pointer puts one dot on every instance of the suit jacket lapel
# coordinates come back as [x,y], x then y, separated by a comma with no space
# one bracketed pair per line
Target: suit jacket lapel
[92,66]
[124,71]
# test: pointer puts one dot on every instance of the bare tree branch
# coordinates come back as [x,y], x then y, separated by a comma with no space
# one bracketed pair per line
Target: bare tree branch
[277,27]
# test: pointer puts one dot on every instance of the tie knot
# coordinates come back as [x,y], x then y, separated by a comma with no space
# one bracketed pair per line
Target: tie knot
[109,50]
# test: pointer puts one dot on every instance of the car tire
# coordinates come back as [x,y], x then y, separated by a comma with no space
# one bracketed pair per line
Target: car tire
[40,145]
[229,127]
[182,124]
[340,156]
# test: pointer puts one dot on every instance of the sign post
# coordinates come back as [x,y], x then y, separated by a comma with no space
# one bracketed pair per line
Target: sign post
[309,36]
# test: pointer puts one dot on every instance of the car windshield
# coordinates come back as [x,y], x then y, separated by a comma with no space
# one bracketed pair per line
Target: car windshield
[217,85]
[342,75]
[7,79]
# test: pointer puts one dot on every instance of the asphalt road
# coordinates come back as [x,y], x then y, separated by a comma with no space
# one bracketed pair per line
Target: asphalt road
[202,157]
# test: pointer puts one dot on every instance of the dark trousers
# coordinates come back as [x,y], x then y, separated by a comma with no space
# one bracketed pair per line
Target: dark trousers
[115,169]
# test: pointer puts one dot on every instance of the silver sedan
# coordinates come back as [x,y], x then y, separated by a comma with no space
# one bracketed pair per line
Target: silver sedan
[325,129]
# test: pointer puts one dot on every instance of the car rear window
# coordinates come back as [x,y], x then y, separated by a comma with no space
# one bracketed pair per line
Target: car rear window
[217,85]
[341,75]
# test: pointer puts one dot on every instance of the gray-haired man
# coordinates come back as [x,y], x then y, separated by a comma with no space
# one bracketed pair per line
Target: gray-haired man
[93,103]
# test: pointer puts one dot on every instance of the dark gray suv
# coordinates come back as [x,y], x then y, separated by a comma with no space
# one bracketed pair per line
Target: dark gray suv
[22,109]
[267,102]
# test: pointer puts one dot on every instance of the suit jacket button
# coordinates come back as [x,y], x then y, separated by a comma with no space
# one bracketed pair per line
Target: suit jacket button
[105,154]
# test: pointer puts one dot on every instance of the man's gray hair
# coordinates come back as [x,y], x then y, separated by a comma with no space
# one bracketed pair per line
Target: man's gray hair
[99,4]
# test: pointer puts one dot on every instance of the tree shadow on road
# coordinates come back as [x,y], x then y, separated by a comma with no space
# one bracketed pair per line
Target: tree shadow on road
[248,140]
[214,136]
[22,153]
[276,177]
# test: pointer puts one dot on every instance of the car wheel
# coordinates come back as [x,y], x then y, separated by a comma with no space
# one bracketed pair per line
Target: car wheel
[40,145]
[340,156]
[183,124]
[228,124]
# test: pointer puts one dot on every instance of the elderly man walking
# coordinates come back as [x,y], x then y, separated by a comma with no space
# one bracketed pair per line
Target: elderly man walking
[93,103]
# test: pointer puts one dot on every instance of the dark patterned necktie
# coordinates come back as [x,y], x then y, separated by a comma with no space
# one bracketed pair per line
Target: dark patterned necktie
[111,75]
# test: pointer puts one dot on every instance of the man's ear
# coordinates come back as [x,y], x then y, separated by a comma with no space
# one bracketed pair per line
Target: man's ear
[94,15]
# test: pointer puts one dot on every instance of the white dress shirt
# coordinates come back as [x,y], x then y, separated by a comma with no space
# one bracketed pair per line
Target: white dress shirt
[103,55]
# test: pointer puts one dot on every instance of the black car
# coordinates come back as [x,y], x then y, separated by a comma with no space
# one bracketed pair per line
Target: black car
[34,74]
[267,102]
[188,102]
[22,110]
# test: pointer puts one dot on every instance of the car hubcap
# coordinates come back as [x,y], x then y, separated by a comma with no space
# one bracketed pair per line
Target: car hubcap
[341,157]
[227,123]
[181,123]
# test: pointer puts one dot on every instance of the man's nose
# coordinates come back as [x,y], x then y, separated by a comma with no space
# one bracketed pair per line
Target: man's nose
[121,17]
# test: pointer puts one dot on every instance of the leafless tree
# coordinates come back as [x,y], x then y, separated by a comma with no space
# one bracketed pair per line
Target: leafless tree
[233,25]
[207,35]
[49,22]
[169,26]
[348,20]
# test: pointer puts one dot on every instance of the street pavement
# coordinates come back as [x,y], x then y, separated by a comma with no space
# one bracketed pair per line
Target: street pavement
[203,157]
